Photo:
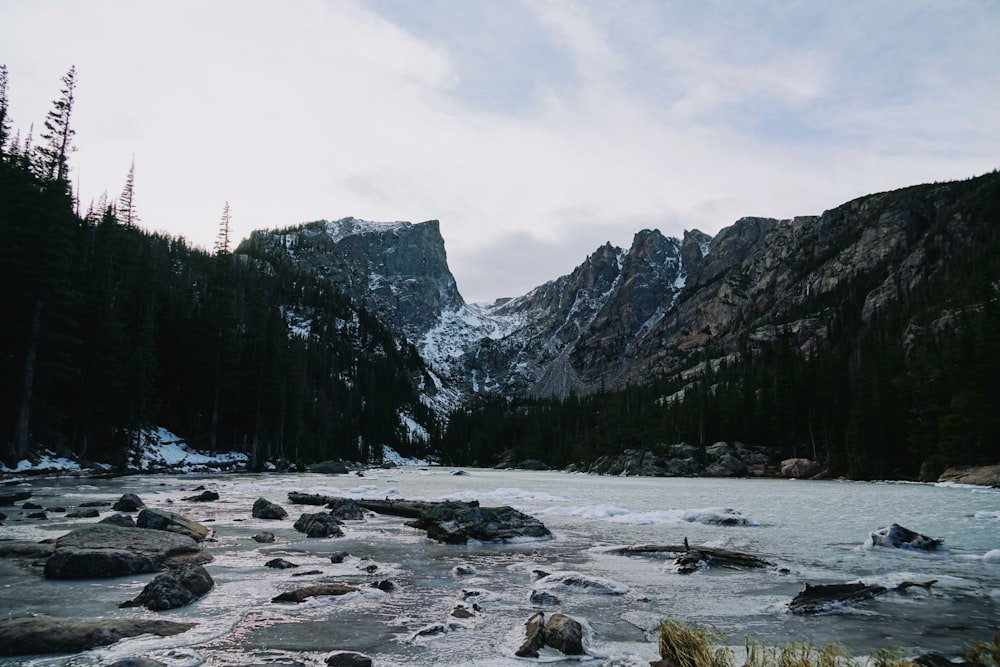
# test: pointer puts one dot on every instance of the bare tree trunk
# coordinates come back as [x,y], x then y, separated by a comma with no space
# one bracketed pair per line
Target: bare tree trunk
[22,429]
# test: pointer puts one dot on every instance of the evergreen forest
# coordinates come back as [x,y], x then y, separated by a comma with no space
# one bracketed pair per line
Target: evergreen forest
[110,330]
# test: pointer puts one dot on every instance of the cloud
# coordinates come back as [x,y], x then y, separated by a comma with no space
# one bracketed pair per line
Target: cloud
[534,131]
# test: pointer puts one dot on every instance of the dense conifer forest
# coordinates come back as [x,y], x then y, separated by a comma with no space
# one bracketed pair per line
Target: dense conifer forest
[110,330]
[904,396]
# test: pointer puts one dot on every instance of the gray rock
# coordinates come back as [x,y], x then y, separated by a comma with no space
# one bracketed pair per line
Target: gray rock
[123,520]
[302,594]
[898,537]
[174,523]
[329,468]
[137,662]
[205,496]
[264,538]
[176,588]
[800,468]
[318,525]
[98,563]
[39,635]
[158,548]
[265,509]
[348,659]
[8,499]
[457,523]
[31,506]
[129,502]
[564,634]
[279,564]
[346,509]
[338,557]
[88,513]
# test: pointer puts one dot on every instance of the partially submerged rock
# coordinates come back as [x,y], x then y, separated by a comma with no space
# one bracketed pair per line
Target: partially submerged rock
[176,588]
[129,502]
[205,496]
[457,523]
[303,594]
[348,659]
[8,499]
[265,509]
[103,550]
[346,509]
[46,635]
[171,522]
[822,597]
[898,537]
[561,632]
[318,525]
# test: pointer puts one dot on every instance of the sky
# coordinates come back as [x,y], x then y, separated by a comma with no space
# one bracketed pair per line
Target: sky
[533,130]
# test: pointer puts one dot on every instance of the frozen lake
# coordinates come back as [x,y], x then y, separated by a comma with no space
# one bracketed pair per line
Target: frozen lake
[813,531]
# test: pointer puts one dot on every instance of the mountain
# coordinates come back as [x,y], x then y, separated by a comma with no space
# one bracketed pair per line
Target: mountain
[662,306]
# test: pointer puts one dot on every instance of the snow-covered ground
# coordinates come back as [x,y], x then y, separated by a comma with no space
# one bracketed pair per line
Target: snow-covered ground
[163,450]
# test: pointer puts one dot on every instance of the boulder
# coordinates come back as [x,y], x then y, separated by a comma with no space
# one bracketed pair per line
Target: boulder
[978,476]
[348,659]
[329,468]
[265,509]
[534,630]
[123,520]
[264,538]
[318,525]
[565,634]
[338,557]
[279,564]
[100,563]
[129,502]
[78,554]
[800,468]
[8,499]
[303,594]
[898,537]
[31,506]
[726,465]
[178,587]
[205,496]
[457,523]
[346,509]
[174,523]
[88,513]
[45,635]
[561,632]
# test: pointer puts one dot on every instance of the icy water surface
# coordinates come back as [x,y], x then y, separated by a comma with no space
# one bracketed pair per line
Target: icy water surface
[814,532]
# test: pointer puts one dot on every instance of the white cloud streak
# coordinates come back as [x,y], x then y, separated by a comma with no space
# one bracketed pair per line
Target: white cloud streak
[530,128]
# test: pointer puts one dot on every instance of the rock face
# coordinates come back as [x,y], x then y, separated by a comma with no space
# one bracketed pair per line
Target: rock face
[46,635]
[176,588]
[103,550]
[662,306]
[457,523]
[265,509]
[174,523]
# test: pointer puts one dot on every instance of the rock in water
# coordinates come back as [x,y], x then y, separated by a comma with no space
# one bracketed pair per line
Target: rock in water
[457,523]
[103,550]
[204,497]
[129,502]
[176,588]
[348,659]
[564,634]
[44,634]
[318,525]
[174,523]
[265,509]
[302,594]
[346,509]
[898,537]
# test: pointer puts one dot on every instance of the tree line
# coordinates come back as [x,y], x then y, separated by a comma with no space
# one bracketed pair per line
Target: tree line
[110,330]
[904,395]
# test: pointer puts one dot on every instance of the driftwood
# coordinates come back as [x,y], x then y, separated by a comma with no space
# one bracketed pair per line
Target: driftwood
[819,598]
[691,558]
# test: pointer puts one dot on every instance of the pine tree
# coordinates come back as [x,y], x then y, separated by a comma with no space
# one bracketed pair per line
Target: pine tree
[58,135]
[4,113]
[222,240]
[126,202]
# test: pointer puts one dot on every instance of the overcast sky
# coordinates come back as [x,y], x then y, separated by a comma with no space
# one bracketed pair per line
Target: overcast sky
[534,130]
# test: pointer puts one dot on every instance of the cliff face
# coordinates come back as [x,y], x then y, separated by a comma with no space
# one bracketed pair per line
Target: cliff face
[661,306]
